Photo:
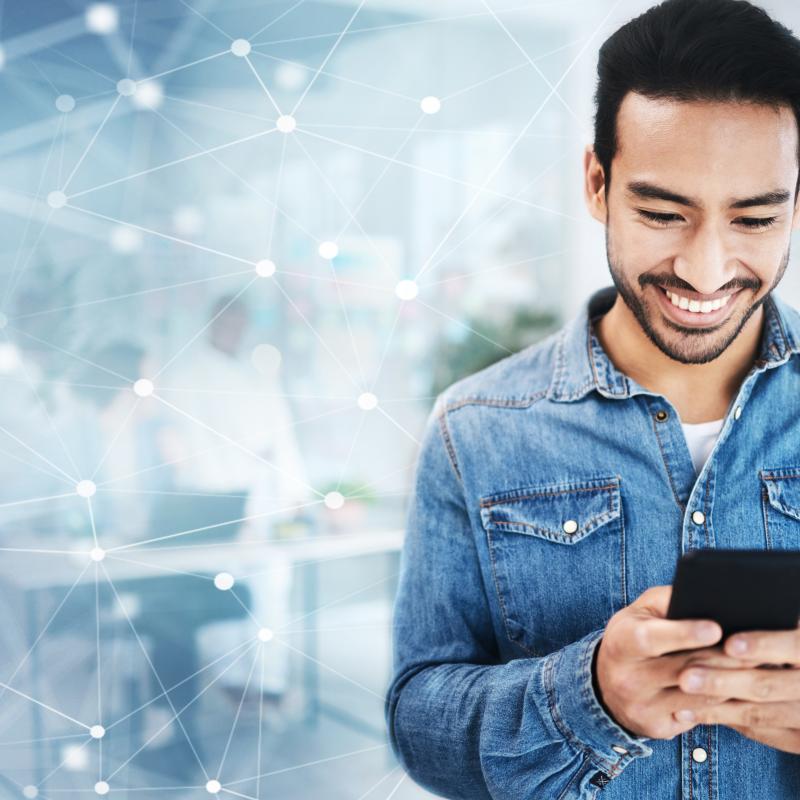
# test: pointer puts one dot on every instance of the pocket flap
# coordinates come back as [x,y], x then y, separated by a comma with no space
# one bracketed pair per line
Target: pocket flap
[783,489]
[563,512]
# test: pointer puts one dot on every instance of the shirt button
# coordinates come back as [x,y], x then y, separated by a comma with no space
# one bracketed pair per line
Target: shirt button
[661,415]
[570,526]
[698,517]
[699,755]
[618,749]
[738,412]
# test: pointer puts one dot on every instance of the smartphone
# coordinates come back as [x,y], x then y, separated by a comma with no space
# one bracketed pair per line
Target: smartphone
[740,589]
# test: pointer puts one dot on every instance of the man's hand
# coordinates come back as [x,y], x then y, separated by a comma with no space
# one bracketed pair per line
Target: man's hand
[764,703]
[639,661]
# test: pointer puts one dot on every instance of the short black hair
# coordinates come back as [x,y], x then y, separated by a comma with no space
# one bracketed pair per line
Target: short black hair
[689,50]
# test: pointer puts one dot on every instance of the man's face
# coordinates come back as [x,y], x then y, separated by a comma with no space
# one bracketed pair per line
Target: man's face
[699,214]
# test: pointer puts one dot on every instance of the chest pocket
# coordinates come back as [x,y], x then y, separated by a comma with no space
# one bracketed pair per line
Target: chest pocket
[557,554]
[780,499]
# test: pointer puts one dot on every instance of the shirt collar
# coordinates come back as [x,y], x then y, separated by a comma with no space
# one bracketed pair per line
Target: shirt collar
[581,364]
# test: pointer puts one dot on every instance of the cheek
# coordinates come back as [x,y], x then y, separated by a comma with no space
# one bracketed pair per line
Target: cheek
[646,248]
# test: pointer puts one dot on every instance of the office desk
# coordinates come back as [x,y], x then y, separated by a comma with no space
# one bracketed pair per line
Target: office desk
[68,567]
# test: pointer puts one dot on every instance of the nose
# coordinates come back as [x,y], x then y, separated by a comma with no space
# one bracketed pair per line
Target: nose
[704,262]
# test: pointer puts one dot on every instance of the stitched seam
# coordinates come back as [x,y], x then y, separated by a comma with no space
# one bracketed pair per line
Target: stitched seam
[707,506]
[777,318]
[451,455]
[501,402]
[765,513]
[691,761]
[499,594]
[547,493]
[578,776]
[622,556]
[666,463]
[710,789]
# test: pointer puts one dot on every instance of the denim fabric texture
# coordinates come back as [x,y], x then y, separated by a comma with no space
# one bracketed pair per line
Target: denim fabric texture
[550,491]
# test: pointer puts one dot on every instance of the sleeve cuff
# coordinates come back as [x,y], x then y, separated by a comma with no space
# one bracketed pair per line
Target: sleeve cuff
[578,714]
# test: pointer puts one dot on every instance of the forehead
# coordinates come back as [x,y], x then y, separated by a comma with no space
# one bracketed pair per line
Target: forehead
[741,147]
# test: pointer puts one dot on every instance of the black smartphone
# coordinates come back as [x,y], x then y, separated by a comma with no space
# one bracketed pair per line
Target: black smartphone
[740,589]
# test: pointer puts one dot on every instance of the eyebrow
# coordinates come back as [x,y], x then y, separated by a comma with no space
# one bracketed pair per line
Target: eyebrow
[649,191]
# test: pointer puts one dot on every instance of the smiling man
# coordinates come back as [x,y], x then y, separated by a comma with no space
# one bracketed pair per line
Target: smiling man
[556,489]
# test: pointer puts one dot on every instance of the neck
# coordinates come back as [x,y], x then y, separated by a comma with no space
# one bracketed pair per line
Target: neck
[699,392]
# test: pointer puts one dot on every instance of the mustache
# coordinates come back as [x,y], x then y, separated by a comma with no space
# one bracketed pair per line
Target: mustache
[673,282]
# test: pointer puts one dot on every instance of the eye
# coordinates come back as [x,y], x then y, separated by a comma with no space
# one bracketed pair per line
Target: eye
[659,219]
[754,223]
[757,222]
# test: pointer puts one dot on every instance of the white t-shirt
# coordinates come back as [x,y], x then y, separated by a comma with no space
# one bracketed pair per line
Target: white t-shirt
[701,437]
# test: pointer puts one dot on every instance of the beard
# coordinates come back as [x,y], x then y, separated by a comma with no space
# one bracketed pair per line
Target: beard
[691,345]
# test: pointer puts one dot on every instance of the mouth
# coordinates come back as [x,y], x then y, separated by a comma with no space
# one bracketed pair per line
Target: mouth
[693,313]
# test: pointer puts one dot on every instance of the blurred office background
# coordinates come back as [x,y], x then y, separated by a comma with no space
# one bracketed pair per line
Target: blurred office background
[245,244]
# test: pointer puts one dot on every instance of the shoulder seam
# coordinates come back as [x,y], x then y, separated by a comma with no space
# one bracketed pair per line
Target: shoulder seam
[501,402]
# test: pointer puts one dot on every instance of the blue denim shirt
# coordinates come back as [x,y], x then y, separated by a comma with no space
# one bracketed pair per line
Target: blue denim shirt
[500,605]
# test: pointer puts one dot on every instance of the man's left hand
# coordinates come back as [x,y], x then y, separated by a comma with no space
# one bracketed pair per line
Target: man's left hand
[760,700]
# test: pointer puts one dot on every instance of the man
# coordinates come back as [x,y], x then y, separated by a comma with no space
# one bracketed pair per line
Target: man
[556,489]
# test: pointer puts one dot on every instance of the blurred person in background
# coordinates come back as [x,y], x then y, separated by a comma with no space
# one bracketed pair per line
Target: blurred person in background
[235,439]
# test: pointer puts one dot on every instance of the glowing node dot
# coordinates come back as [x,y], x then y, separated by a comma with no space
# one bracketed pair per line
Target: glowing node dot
[265,268]
[97,731]
[148,95]
[286,123]
[86,488]
[266,358]
[143,387]
[187,220]
[65,103]
[224,581]
[56,199]
[290,77]
[125,239]
[406,290]
[240,47]
[334,500]
[367,401]
[126,87]
[30,792]
[3,320]
[102,18]
[329,250]
[213,787]
[97,554]
[431,105]
[101,787]
[265,634]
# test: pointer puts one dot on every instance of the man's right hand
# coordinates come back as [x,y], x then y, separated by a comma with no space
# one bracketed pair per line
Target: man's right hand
[640,657]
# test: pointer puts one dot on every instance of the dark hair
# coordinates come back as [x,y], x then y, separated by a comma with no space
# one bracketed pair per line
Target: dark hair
[715,50]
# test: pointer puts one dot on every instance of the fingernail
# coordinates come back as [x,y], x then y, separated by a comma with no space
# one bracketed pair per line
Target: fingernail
[707,632]
[685,715]
[694,682]
[738,646]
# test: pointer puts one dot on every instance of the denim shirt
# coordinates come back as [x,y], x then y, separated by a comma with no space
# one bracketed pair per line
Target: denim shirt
[551,490]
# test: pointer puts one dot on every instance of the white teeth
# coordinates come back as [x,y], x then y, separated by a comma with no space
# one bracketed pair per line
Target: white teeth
[696,306]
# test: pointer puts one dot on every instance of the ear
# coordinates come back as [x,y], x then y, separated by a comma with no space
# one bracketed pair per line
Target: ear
[594,185]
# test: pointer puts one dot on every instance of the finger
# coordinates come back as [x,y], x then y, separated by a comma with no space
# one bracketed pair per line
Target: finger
[649,637]
[666,670]
[767,647]
[746,714]
[779,738]
[762,685]
[654,600]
